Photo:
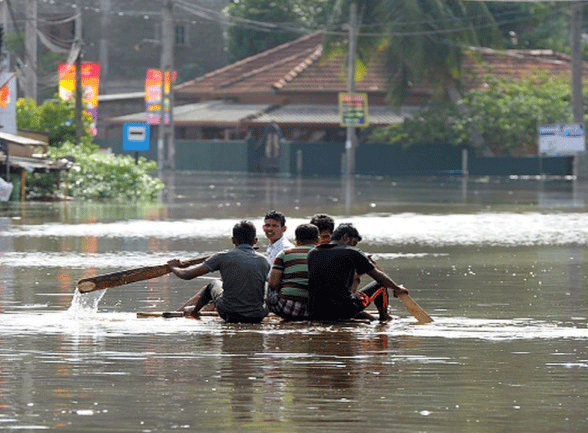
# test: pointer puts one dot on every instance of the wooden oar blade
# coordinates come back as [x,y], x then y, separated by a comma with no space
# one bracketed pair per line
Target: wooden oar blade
[121,278]
[415,309]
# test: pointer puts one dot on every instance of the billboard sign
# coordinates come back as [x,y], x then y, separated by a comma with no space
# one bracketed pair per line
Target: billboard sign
[353,109]
[561,140]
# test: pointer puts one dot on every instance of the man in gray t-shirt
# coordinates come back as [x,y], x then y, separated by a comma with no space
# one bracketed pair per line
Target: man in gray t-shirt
[240,296]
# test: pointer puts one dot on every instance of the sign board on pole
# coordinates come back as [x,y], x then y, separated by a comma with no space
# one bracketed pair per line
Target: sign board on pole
[136,136]
[561,140]
[90,85]
[153,98]
[353,108]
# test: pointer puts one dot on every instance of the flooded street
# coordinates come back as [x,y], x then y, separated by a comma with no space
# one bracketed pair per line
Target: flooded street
[500,265]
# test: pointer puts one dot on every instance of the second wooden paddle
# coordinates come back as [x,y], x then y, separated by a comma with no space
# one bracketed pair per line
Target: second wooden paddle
[121,278]
[415,309]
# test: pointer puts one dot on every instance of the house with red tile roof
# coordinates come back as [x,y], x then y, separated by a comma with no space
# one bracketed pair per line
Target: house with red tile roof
[292,90]
[296,87]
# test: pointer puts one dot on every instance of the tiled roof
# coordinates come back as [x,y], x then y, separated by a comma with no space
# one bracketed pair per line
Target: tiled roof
[296,66]
[299,67]
[513,64]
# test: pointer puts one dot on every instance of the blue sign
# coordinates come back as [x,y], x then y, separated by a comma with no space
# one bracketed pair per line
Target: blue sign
[136,136]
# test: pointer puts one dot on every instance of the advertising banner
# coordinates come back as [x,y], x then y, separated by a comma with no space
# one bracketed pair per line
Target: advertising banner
[153,96]
[90,86]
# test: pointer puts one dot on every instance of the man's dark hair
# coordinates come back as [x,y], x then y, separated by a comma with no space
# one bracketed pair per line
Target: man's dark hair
[275,215]
[307,233]
[323,222]
[244,232]
[345,229]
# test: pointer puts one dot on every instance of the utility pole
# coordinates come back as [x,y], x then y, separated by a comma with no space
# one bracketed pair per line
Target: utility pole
[4,14]
[105,7]
[351,142]
[30,89]
[576,54]
[166,130]
[78,65]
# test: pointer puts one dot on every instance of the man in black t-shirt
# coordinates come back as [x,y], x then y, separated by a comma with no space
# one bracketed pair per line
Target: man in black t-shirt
[331,268]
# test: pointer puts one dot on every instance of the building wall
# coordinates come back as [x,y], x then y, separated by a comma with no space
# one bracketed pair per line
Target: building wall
[202,155]
[326,159]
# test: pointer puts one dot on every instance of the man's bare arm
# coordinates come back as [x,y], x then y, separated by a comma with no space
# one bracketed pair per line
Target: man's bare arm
[187,273]
[275,280]
[386,281]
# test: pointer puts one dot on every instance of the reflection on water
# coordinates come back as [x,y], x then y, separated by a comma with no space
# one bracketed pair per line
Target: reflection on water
[499,264]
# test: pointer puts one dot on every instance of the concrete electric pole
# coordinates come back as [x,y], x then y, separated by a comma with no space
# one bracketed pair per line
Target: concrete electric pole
[166,130]
[577,61]
[351,142]
[30,70]
[79,89]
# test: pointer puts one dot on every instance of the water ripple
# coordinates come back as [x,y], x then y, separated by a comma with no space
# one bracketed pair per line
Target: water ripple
[498,229]
[86,321]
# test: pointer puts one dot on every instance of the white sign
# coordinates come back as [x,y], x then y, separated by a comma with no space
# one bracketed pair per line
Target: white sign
[561,140]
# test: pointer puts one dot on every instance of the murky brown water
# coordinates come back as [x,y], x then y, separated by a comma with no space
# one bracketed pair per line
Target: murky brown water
[500,265]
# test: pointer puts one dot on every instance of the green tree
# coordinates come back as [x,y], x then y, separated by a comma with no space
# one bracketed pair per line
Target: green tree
[509,113]
[53,116]
[258,25]
[422,42]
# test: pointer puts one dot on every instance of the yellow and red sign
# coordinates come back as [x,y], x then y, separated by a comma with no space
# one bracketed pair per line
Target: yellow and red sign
[353,108]
[153,81]
[90,86]
[4,96]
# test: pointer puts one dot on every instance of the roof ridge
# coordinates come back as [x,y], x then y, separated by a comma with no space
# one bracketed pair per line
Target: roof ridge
[253,58]
[301,67]
[537,54]
[271,65]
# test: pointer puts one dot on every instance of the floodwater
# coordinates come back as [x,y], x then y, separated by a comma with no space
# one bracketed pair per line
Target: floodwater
[501,265]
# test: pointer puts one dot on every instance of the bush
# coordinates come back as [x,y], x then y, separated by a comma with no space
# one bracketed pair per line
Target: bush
[100,176]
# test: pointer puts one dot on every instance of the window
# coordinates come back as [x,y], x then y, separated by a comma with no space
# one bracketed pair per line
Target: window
[181,36]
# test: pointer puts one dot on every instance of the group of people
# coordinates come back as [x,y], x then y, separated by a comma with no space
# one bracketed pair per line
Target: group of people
[316,279]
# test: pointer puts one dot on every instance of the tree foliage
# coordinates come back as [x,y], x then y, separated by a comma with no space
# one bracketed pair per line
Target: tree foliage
[508,113]
[54,116]
[258,25]
[102,176]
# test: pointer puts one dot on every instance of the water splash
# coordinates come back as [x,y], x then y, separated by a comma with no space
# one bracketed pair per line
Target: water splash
[85,304]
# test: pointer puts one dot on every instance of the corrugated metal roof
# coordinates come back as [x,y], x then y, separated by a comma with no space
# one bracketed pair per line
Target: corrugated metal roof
[326,114]
[23,141]
[209,112]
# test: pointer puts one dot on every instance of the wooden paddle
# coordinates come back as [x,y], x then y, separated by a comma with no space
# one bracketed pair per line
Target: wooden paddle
[121,278]
[411,305]
[415,309]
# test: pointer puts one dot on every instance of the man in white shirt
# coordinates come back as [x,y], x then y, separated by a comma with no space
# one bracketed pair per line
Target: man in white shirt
[274,227]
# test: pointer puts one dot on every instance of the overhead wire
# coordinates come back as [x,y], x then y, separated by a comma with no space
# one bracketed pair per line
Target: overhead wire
[334,27]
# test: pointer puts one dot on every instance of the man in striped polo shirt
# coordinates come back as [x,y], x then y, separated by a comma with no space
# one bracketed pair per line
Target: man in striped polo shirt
[288,282]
